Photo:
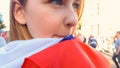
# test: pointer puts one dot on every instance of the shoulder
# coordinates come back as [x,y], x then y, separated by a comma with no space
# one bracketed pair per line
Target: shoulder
[69,54]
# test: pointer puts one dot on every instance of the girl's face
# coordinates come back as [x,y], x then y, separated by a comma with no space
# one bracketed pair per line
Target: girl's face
[50,18]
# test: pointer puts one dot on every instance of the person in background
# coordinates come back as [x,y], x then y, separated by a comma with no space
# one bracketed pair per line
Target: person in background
[2,42]
[3,35]
[117,49]
[41,37]
[92,41]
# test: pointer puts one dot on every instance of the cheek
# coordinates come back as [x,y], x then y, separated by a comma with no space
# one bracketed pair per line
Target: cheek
[44,21]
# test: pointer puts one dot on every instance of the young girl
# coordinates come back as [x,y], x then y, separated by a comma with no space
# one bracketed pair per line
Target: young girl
[41,37]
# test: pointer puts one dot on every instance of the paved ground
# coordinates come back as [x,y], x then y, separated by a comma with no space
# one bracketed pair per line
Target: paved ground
[109,57]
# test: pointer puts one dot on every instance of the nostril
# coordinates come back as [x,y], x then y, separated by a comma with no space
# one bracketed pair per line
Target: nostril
[68,25]
[71,24]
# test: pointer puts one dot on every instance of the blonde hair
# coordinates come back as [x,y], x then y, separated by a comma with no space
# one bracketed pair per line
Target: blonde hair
[19,31]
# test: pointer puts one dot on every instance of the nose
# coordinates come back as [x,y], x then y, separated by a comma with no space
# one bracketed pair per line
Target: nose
[71,19]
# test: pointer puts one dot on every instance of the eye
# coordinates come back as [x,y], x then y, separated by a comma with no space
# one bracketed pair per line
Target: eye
[75,5]
[57,2]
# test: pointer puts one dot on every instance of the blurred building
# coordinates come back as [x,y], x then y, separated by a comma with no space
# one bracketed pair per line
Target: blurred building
[101,17]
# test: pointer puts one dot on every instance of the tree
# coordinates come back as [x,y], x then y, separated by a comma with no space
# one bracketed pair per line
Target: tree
[1,22]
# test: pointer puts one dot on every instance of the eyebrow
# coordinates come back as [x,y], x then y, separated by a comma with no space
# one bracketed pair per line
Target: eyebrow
[73,0]
[77,0]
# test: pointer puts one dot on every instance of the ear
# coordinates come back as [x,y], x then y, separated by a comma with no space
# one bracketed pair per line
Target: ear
[19,13]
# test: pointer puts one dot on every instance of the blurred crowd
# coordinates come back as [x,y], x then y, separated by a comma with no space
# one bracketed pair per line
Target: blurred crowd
[4,35]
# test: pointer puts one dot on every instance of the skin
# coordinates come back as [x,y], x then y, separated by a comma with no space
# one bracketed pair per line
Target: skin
[48,18]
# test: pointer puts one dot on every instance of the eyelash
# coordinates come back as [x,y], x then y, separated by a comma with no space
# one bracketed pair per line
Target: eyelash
[57,2]
[75,5]
[60,2]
